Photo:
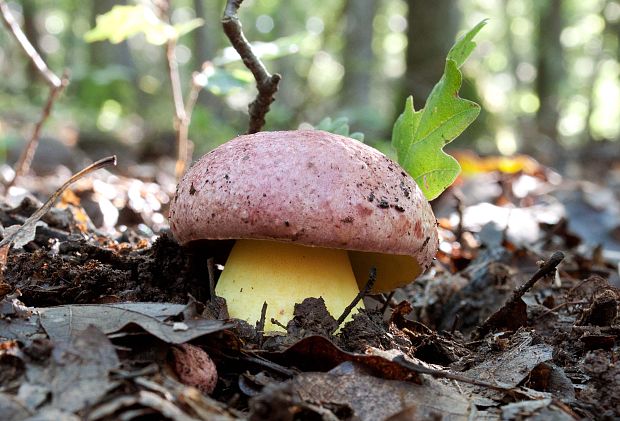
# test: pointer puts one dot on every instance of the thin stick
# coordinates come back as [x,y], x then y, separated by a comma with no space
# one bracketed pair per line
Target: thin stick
[9,20]
[55,83]
[372,278]
[447,375]
[257,359]
[260,325]
[182,110]
[278,323]
[22,166]
[181,122]
[559,306]
[387,302]
[38,214]
[211,272]
[199,81]
[547,268]
[455,322]
[266,83]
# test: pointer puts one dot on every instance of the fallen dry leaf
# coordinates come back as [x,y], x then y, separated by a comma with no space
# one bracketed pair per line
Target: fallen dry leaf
[316,353]
[77,374]
[511,367]
[350,390]
[60,322]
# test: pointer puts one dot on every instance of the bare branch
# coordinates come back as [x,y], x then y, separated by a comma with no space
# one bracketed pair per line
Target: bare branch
[266,83]
[506,311]
[181,120]
[56,84]
[9,20]
[30,223]
[182,110]
[372,278]
[22,166]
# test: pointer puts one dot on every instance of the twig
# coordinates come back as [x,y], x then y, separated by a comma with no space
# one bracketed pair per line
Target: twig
[181,121]
[266,83]
[547,268]
[182,110]
[50,77]
[372,278]
[184,152]
[504,311]
[30,223]
[559,306]
[460,209]
[263,362]
[387,302]
[455,322]
[440,374]
[55,83]
[199,81]
[211,272]
[260,324]
[22,166]
[278,323]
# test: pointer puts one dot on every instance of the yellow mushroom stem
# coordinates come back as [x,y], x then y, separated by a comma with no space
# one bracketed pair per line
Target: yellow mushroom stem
[283,274]
[393,270]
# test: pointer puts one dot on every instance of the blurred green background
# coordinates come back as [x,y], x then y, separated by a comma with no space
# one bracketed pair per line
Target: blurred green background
[545,72]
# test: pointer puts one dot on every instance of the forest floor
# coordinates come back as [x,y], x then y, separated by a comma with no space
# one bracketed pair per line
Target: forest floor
[103,324]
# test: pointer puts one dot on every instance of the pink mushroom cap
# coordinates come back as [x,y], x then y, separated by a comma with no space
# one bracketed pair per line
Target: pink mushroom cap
[308,187]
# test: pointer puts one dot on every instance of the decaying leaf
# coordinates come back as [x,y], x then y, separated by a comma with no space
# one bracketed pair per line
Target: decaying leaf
[60,322]
[512,366]
[76,375]
[350,391]
[12,409]
[317,353]
[537,409]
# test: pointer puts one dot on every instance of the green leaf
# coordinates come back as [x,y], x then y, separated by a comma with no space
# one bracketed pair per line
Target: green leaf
[187,27]
[419,136]
[464,46]
[223,82]
[123,22]
[339,126]
[278,48]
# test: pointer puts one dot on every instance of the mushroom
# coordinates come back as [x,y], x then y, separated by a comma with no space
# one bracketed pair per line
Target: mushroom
[311,212]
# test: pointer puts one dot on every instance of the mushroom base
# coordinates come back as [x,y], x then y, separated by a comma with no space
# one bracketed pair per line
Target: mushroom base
[283,274]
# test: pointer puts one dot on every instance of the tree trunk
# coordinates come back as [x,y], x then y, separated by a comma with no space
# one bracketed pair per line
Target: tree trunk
[206,41]
[358,57]
[431,32]
[205,38]
[550,67]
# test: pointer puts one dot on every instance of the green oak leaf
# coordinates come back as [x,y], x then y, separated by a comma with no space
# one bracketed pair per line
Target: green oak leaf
[419,136]
[125,21]
[464,46]
[339,126]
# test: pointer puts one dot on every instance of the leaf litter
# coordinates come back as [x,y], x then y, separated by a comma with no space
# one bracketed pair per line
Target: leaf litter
[98,324]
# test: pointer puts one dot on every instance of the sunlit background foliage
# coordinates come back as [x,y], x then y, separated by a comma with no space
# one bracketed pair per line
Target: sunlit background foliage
[545,72]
